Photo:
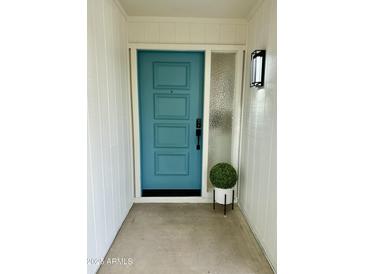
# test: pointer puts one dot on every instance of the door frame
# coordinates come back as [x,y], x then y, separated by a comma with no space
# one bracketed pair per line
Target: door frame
[207,50]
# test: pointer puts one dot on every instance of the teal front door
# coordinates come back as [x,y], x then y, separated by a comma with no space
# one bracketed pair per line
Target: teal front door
[170,87]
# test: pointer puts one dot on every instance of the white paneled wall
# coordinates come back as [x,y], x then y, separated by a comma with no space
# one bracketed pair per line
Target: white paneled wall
[186,30]
[110,192]
[257,196]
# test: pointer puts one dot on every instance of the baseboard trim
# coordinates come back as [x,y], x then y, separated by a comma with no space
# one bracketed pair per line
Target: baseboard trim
[256,238]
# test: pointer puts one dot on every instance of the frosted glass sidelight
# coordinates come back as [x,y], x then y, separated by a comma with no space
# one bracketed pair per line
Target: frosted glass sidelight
[221,108]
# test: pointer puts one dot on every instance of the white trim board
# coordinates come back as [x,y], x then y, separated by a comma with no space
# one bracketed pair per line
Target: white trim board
[187,47]
[245,66]
[207,49]
[205,137]
[135,114]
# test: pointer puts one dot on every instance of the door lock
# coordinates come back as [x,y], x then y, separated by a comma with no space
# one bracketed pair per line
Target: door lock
[198,132]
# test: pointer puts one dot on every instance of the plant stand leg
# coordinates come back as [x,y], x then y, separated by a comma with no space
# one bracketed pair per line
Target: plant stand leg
[225,198]
[232,199]
[214,199]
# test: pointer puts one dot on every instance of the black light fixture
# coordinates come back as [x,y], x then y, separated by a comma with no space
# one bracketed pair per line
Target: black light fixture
[257,68]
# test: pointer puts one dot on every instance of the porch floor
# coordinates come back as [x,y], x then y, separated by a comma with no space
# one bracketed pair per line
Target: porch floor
[185,238]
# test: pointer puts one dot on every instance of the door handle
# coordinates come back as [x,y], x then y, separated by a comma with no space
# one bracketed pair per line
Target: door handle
[198,132]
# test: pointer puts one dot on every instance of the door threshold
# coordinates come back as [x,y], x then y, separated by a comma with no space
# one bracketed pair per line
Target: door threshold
[195,200]
[171,193]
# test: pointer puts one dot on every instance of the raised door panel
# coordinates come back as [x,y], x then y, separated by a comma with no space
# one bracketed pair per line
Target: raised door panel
[172,106]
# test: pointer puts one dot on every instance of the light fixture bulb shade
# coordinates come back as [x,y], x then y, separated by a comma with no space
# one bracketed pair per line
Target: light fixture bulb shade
[257,68]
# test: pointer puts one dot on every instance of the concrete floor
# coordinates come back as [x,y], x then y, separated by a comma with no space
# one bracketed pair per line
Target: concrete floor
[185,238]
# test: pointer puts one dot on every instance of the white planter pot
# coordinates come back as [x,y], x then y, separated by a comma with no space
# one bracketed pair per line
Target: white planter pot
[219,195]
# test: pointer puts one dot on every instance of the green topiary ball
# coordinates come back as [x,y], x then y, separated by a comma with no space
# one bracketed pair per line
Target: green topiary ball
[223,175]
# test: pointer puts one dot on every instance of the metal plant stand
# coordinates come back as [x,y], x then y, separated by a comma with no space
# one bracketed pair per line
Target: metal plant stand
[225,201]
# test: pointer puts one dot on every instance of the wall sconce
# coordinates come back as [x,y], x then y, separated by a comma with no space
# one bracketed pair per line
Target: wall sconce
[257,68]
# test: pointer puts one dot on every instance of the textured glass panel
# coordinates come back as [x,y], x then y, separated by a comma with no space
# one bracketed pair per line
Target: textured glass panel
[221,108]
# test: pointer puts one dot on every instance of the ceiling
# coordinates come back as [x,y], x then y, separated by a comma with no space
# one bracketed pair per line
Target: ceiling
[189,8]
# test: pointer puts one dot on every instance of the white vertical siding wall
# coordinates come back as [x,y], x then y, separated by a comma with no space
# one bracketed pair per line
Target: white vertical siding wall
[110,192]
[187,30]
[258,155]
